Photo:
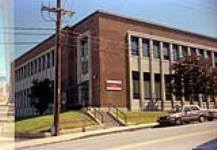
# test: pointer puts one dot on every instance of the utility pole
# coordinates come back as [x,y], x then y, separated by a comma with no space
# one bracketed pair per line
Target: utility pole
[58,61]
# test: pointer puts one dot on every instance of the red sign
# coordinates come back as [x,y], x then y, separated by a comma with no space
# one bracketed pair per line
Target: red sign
[114,85]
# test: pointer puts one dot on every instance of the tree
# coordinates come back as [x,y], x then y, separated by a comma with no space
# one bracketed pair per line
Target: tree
[41,95]
[194,77]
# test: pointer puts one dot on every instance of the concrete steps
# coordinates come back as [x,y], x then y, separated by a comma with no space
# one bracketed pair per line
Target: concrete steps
[109,121]
[103,117]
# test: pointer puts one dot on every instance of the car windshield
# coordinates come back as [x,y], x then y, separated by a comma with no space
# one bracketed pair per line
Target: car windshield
[176,109]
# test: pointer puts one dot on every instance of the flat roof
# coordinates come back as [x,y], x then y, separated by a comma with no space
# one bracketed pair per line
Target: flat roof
[120,16]
[152,23]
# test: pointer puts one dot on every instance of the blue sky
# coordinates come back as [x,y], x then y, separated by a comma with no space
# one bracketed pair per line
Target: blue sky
[197,16]
[2,49]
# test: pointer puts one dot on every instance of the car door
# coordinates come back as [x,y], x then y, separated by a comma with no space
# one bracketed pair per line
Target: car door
[195,112]
[187,113]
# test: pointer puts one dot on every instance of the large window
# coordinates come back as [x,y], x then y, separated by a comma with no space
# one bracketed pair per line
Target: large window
[157,86]
[43,62]
[48,60]
[39,64]
[145,47]
[134,45]
[32,68]
[84,66]
[175,52]
[166,51]
[201,53]
[168,87]
[25,72]
[136,85]
[208,54]
[215,59]
[52,57]
[184,51]
[84,47]
[35,66]
[156,49]
[193,52]
[147,86]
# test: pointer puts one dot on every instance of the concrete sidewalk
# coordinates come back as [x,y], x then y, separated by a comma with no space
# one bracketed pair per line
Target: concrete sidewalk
[67,137]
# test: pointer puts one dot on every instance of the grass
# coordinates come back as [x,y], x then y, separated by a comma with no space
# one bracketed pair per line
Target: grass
[134,118]
[68,120]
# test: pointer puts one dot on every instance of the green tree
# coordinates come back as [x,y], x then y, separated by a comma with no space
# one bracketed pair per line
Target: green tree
[193,77]
[41,95]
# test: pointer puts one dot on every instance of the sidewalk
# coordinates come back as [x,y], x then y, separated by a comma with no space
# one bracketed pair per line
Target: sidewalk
[74,136]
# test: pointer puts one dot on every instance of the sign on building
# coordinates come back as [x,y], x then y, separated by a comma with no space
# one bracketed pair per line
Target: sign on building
[114,85]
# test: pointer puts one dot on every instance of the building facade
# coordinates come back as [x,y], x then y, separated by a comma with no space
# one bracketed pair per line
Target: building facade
[110,59]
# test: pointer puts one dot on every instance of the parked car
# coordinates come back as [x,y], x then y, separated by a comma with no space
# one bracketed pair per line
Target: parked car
[180,115]
[212,114]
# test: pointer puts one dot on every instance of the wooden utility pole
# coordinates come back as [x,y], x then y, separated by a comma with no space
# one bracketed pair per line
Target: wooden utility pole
[58,61]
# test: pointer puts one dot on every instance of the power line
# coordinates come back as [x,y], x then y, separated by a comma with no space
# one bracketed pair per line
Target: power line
[25,33]
[27,28]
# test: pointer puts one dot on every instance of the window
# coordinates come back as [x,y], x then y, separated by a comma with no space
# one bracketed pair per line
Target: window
[43,62]
[145,47]
[175,52]
[194,108]
[84,66]
[35,66]
[156,49]
[48,60]
[25,72]
[22,73]
[29,69]
[136,85]
[134,45]
[157,86]
[84,47]
[166,51]
[201,53]
[167,87]
[52,57]
[147,86]
[215,58]
[187,109]
[208,54]
[39,64]
[184,51]
[193,52]
[32,68]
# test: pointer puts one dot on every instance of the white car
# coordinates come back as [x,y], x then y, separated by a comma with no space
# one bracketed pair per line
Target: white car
[212,114]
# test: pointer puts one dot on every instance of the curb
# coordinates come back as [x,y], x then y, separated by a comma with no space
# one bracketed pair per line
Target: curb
[48,134]
[68,137]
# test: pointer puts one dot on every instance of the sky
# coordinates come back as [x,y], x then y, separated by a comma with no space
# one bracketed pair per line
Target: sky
[198,16]
[2,49]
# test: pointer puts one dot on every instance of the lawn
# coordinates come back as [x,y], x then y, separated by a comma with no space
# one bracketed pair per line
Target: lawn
[134,118]
[68,120]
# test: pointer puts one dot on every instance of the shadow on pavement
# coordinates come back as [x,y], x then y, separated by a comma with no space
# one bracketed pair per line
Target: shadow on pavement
[210,145]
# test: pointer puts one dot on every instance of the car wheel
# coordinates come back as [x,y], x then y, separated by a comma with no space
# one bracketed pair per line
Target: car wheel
[201,119]
[211,117]
[178,121]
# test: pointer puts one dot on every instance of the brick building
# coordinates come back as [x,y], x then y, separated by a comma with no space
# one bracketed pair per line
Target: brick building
[112,59]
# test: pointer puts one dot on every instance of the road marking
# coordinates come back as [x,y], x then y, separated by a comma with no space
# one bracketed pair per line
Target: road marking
[131,146]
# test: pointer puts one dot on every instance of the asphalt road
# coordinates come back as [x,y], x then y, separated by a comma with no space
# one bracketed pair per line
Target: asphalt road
[185,137]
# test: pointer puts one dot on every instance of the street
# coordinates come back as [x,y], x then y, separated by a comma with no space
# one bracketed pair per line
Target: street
[183,137]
